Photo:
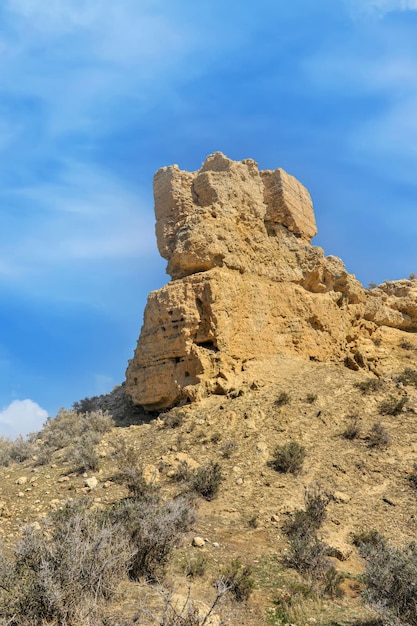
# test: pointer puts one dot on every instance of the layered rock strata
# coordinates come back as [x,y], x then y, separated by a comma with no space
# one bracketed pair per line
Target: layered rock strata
[247,285]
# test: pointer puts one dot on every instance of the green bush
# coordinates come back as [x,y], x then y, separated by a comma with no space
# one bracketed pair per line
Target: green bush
[289,457]
[207,480]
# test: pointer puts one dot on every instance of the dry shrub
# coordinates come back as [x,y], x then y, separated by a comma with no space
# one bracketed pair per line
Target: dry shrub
[83,453]
[378,436]
[392,405]
[237,579]
[352,430]
[228,448]
[289,457]
[207,480]
[408,377]
[195,565]
[283,398]
[130,471]
[370,385]
[154,529]
[391,581]
[64,572]
[307,552]
[74,430]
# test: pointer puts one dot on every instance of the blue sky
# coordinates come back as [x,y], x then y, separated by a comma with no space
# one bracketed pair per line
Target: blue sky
[96,95]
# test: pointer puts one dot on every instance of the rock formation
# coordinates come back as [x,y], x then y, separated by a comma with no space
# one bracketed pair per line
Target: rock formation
[248,285]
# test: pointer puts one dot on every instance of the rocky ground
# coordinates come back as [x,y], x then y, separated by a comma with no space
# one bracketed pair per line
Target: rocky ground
[290,399]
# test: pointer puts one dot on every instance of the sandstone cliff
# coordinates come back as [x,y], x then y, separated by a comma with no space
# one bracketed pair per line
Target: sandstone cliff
[248,285]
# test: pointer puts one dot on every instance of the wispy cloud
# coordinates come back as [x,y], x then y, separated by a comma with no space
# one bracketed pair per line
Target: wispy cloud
[21,417]
[379,8]
[83,216]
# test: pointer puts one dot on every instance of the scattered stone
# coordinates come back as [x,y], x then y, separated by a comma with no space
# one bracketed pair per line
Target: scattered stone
[198,542]
[341,498]
[275,518]
[20,494]
[91,483]
[63,479]
[4,511]
[215,544]
[22,480]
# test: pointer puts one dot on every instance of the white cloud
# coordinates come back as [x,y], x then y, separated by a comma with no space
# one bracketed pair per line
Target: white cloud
[21,417]
[379,8]
[84,216]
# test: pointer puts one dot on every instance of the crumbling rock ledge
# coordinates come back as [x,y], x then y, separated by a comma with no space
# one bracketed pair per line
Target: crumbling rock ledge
[248,285]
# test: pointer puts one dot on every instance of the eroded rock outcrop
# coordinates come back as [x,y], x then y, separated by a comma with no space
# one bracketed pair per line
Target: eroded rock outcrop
[247,285]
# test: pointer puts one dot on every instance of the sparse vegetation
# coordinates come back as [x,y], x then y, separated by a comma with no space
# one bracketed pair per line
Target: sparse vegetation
[408,377]
[289,457]
[237,579]
[228,448]
[154,529]
[173,418]
[378,436]
[352,430]
[283,398]
[82,454]
[65,571]
[413,476]
[405,344]
[195,565]
[308,520]
[392,405]
[207,480]
[131,472]
[311,398]
[369,385]
[307,552]
[391,581]
[367,537]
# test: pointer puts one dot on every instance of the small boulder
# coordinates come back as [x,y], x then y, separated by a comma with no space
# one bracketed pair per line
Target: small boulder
[91,483]
[198,542]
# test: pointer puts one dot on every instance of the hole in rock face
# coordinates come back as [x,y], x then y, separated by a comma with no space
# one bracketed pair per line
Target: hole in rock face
[187,374]
[177,359]
[135,380]
[209,345]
